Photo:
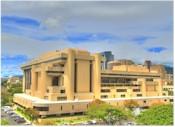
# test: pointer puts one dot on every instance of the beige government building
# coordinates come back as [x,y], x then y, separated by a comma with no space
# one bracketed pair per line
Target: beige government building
[66,81]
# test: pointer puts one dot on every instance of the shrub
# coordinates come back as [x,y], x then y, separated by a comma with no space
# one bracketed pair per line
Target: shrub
[103,111]
[4,122]
[157,115]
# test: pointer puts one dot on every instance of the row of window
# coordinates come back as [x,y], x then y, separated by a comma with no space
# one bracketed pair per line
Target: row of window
[47,108]
[61,91]
[122,95]
[117,80]
[118,90]
[119,85]
[150,76]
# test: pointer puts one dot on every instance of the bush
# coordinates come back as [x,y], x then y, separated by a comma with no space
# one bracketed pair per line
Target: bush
[7,92]
[157,115]
[103,111]
[28,113]
[4,122]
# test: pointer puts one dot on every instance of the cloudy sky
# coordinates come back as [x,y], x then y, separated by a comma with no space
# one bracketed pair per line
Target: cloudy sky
[131,30]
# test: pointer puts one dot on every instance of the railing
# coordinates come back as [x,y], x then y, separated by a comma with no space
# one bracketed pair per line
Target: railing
[55,69]
[151,83]
[120,84]
[55,89]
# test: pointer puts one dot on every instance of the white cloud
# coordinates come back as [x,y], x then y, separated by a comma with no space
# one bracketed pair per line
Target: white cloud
[123,19]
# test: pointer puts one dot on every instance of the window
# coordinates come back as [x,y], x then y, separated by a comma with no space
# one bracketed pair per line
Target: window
[27,74]
[47,90]
[165,100]
[46,97]
[171,100]
[136,90]
[72,107]
[42,108]
[104,96]
[144,102]
[122,95]
[55,81]
[61,98]
[139,95]
[61,108]
[149,79]
[121,90]
[62,91]
[105,90]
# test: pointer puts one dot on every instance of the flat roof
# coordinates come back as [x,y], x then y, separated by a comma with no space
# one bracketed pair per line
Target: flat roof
[37,100]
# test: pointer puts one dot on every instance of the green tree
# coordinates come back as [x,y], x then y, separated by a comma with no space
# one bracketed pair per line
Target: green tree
[114,116]
[7,92]
[105,112]
[157,115]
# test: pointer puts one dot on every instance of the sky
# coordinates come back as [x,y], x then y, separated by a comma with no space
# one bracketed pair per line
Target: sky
[131,30]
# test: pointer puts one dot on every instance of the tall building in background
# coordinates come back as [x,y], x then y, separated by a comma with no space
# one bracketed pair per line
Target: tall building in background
[108,56]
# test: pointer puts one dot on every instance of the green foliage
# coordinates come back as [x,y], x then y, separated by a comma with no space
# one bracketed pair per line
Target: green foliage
[105,112]
[30,114]
[114,116]
[4,122]
[97,110]
[157,115]
[7,92]
[15,88]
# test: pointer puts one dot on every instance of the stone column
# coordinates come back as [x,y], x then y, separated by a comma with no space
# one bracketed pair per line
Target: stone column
[70,74]
[97,76]
[23,82]
[43,84]
[143,87]
[33,81]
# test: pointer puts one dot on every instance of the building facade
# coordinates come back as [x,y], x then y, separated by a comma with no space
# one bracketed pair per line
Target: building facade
[67,81]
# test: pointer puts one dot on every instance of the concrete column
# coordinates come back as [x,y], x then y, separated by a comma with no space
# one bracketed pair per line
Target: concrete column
[70,73]
[143,87]
[97,76]
[23,82]
[43,83]
[160,87]
[33,81]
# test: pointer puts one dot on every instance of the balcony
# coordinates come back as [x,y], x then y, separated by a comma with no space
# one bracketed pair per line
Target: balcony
[151,83]
[55,69]
[120,84]
[55,89]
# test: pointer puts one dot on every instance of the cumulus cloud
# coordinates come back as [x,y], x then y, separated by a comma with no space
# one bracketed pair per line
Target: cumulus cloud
[128,29]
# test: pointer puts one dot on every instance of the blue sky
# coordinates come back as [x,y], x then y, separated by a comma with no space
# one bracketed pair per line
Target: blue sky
[131,30]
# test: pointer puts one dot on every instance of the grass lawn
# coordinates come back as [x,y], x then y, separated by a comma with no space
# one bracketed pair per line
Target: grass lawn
[62,120]
[4,122]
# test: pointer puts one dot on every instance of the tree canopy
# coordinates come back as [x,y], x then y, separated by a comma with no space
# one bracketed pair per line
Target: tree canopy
[157,115]
[103,111]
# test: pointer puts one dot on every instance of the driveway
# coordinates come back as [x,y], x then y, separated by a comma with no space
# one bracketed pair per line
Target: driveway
[7,117]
